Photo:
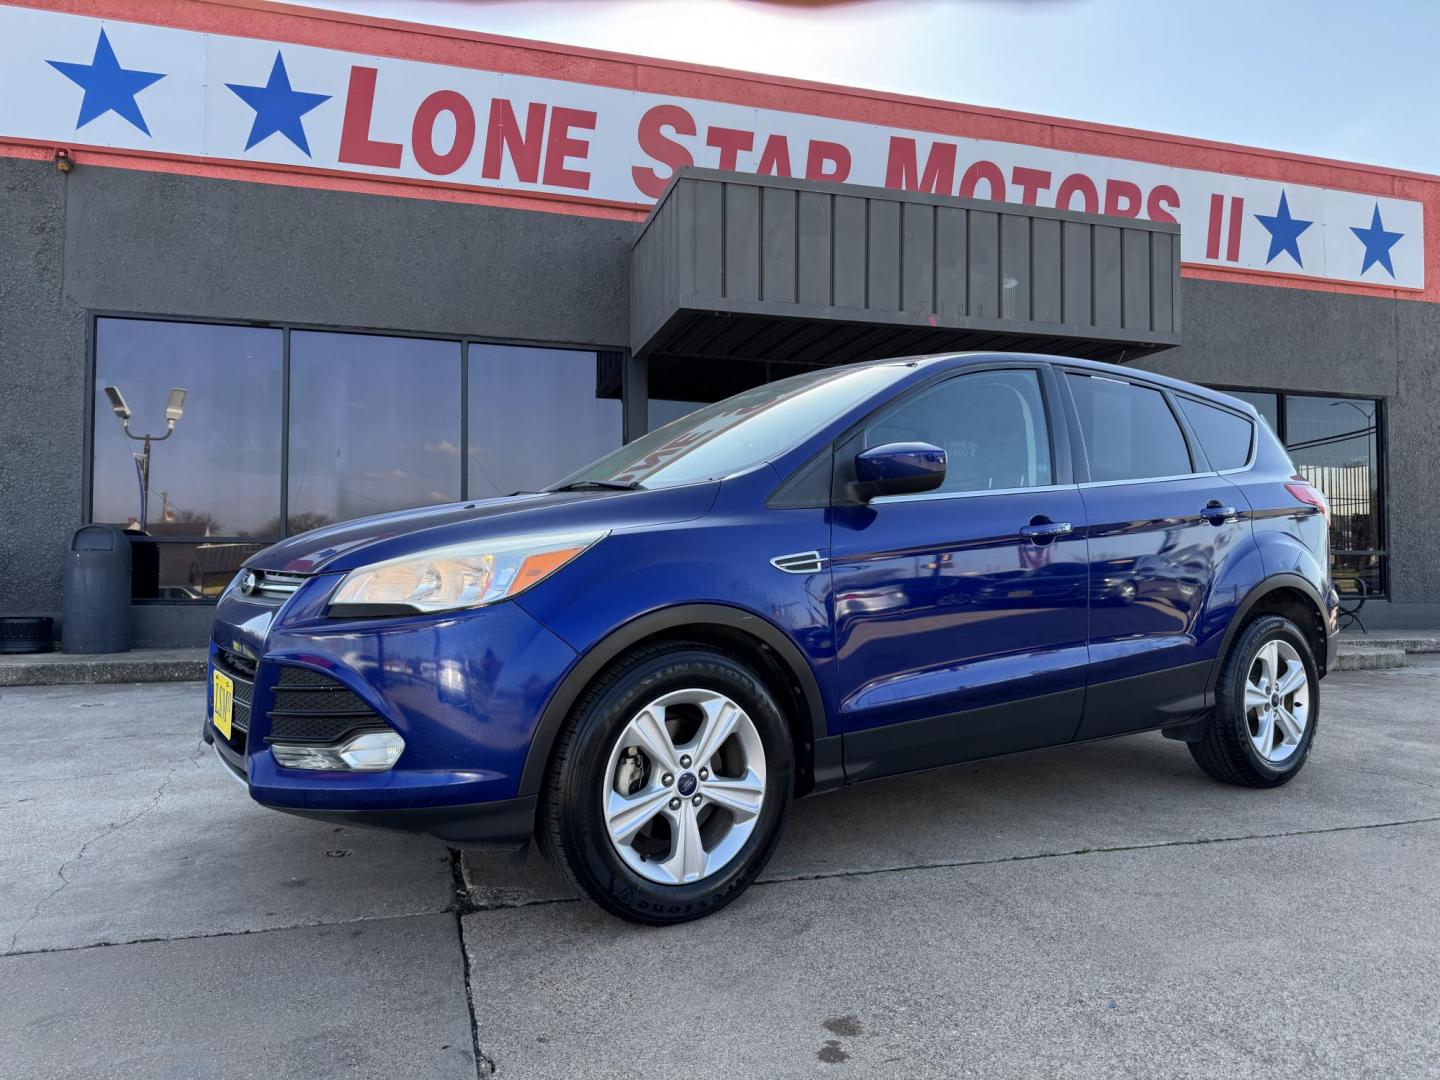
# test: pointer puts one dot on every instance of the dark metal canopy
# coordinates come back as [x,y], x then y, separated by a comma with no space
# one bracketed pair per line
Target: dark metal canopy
[750,269]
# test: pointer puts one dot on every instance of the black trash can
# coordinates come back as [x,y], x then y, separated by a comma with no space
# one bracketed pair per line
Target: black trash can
[97,591]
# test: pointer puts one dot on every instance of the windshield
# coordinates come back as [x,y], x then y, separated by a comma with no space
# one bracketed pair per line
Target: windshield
[736,433]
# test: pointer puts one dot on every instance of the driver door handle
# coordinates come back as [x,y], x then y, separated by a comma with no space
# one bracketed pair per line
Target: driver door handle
[1045,531]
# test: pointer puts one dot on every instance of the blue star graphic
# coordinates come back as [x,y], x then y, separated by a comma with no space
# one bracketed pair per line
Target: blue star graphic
[1377,243]
[277,107]
[108,87]
[1284,231]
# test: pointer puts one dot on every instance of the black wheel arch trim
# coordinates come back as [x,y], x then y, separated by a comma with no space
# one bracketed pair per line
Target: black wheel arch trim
[593,661]
[1257,593]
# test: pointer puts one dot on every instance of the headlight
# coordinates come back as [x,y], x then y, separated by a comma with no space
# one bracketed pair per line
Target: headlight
[463,576]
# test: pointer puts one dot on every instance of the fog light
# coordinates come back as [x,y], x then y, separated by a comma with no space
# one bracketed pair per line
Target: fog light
[370,751]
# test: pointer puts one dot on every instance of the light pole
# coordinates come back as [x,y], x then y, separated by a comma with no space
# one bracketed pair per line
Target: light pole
[174,408]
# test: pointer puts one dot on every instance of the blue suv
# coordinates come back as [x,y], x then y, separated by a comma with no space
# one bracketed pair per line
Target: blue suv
[843,575]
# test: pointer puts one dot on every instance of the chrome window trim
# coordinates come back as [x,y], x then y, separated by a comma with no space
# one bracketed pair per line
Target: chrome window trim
[1147,480]
[934,496]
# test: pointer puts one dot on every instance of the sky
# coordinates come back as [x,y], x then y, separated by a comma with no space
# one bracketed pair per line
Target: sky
[1335,79]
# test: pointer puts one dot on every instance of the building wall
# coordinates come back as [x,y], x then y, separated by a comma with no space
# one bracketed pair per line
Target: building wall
[109,239]
[119,240]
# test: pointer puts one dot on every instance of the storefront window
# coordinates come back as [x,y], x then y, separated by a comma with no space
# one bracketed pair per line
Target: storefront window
[218,472]
[1335,444]
[374,425]
[535,415]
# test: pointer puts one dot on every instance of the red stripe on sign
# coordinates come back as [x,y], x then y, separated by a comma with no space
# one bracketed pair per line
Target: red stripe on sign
[1237,216]
[1212,241]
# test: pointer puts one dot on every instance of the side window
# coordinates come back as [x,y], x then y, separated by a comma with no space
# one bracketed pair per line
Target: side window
[991,425]
[1130,432]
[1224,436]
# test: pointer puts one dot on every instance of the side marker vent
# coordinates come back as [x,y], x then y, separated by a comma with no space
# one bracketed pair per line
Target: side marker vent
[801,562]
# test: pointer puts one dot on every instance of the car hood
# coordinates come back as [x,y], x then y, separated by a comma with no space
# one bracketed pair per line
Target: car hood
[387,536]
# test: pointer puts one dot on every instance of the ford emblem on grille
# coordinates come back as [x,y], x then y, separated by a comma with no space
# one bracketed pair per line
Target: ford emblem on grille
[249,583]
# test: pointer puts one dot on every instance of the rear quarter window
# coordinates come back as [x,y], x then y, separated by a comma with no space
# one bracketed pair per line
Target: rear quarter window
[1226,437]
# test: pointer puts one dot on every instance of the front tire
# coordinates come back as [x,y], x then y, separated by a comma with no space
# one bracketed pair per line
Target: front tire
[1267,705]
[669,785]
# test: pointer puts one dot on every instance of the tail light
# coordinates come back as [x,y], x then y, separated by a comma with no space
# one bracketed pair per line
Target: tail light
[1308,494]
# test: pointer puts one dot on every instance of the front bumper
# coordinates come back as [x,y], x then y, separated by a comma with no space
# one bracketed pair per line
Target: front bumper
[464,691]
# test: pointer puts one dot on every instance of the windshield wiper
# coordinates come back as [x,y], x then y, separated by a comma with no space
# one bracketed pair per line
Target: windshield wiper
[600,485]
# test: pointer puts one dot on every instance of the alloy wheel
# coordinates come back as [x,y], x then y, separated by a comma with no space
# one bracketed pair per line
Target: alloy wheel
[1277,701]
[684,786]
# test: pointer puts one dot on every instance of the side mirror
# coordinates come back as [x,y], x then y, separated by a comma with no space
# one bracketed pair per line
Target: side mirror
[898,469]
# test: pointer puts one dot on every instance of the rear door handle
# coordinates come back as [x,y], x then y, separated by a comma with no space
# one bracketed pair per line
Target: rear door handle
[1046,531]
[1217,514]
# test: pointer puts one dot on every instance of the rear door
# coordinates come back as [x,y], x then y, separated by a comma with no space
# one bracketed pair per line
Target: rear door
[960,614]
[1162,525]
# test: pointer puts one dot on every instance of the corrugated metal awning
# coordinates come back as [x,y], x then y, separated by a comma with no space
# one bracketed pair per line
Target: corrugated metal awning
[736,267]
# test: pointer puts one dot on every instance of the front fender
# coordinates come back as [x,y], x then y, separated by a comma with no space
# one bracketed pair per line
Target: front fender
[601,654]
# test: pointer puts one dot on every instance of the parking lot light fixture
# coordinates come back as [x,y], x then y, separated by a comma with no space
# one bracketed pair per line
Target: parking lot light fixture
[174,409]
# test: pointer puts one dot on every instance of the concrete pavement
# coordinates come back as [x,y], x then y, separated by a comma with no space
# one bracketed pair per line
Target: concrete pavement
[1104,910]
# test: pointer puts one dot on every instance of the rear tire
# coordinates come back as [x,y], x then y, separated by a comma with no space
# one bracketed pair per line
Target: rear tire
[1267,706]
[669,785]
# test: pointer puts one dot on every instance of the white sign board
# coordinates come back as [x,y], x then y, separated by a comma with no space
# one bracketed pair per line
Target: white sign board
[71,80]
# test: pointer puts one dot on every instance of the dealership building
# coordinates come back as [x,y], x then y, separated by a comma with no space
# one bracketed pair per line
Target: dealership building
[393,265]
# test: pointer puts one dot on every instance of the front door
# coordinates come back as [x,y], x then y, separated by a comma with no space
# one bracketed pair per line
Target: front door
[961,614]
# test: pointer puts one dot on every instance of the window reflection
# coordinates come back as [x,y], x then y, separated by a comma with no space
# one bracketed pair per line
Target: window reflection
[173,571]
[218,474]
[1334,443]
[374,425]
[535,416]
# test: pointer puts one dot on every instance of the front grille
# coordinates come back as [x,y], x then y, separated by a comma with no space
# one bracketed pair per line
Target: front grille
[311,707]
[277,585]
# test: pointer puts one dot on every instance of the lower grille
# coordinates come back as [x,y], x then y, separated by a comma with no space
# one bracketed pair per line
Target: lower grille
[241,670]
[311,707]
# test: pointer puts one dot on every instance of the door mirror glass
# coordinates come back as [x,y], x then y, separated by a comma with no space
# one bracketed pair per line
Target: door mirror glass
[902,468]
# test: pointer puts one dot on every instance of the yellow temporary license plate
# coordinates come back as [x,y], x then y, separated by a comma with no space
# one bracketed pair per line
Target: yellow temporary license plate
[223,699]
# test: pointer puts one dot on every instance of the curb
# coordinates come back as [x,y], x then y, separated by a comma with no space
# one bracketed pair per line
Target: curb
[16,671]
[1406,644]
[1369,658]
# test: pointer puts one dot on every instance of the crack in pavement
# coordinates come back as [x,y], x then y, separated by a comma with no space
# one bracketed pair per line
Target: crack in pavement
[462,909]
[62,779]
[1105,850]
[946,864]
[226,933]
[484,1063]
[109,830]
